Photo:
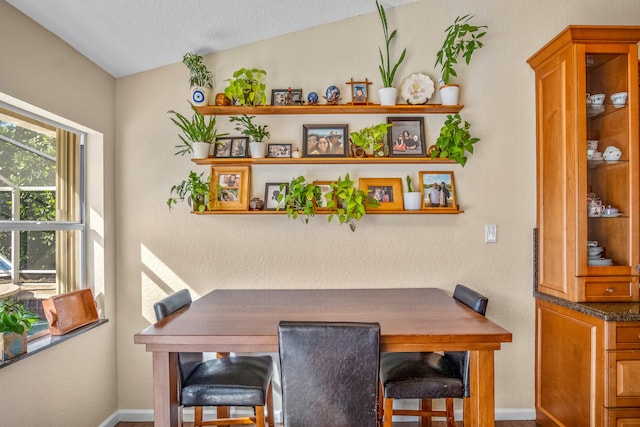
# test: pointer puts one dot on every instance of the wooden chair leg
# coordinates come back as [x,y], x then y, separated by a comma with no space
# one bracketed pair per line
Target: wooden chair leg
[270,418]
[451,422]
[426,405]
[197,416]
[259,416]
[388,412]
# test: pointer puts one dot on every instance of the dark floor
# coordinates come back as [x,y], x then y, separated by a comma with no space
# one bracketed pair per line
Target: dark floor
[435,424]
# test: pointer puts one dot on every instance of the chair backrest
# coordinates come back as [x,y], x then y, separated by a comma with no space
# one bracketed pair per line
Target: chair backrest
[478,303]
[329,373]
[167,306]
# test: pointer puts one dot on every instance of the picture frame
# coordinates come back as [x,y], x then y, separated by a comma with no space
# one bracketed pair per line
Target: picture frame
[278,150]
[359,92]
[283,97]
[325,187]
[325,140]
[232,146]
[427,182]
[388,192]
[271,192]
[406,137]
[230,187]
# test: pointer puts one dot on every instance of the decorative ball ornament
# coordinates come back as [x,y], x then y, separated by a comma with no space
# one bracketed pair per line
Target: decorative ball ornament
[332,95]
[312,98]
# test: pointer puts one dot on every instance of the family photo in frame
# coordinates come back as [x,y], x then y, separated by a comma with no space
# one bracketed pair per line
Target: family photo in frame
[406,136]
[230,187]
[271,192]
[282,97]
[325,141]
[386,191]
[231,146]
[438,190]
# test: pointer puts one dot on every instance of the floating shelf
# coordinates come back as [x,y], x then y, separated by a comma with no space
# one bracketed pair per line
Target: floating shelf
[317,161]
[439,211]
[235,110]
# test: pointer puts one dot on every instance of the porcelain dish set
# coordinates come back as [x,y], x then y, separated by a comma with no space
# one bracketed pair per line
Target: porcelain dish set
[595,208]
[595,255]
[611,153]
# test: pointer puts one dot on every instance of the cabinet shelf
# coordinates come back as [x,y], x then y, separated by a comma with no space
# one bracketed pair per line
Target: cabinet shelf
[236,110]
[318,161]
[440,211]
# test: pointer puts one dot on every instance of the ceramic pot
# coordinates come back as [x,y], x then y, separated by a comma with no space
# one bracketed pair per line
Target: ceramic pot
[449,94]
[388,95]
[200,95]
[412,201]
[258,150]
[201,150]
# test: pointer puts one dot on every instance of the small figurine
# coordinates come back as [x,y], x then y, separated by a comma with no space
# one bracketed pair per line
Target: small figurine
[332,95]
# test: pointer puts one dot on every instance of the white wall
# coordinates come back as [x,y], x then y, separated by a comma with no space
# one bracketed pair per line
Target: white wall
[74,383]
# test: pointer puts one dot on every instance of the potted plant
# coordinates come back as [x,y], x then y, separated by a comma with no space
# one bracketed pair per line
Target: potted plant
[198,134]
[388,93]
[454,140]
[247,87]
[257,133]
[200,78]
[370,140]
[462,39]
[300,198]
[194,189]
[15,322]
[412,199]
[348,203]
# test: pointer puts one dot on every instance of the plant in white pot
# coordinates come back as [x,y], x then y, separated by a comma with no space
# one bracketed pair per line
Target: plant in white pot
[462,39]
[200,79]
[388,94]
[256,133]
[412,199]
[15,322]
[198,134]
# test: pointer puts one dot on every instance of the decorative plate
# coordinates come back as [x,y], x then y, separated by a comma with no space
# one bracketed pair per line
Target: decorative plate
[417,89]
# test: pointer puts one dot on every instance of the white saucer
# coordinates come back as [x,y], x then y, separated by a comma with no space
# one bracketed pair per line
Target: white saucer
[611,215]
[602,262]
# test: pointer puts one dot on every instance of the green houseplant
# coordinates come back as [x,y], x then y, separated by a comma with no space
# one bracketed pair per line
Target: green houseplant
[370,140]
[454,140]
[194,189]
[197,135]
[348,203]
[200,78]
[247,87]
[388,93]
[300,198]
[462,38]
[15,322]
[257,133]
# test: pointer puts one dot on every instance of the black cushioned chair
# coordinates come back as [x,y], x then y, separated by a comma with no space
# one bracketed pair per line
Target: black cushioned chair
[329,373]
[227,381]
[427,376]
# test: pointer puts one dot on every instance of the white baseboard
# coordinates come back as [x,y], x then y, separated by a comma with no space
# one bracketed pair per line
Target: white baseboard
[146,415]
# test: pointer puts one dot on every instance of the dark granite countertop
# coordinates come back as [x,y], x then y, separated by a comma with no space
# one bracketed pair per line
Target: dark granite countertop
[609,311]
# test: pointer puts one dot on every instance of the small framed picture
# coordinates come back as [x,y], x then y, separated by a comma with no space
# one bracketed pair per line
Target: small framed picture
[406,136]
[359,92]
[327,193]
[438,190]
[231,146]
[230,187]
[387,191]
[325,140]
[279,150]
[282,97]
[271,192]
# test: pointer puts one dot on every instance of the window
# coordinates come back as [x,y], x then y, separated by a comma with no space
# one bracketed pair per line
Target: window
[42,221]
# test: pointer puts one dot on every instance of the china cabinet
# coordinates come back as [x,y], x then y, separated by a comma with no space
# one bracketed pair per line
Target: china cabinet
[574,186]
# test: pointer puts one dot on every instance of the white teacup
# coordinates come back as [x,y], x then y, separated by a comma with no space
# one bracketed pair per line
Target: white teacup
[619,99]
[590,154]
[595,251]
[592,243]
[592,144]
[596,99]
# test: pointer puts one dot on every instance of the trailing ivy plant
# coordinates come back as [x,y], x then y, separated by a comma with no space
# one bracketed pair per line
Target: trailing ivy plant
[14,317]
[299,199]
[247,87]
[348,203]
[194,189]
[455,140]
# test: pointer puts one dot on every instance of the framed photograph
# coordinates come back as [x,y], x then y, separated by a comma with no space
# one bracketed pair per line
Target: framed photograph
[438,190]
[359,92]
[325,186]
[279,150]
[325,140]
[231,146]
[230,187]
[281,97]
[406,136]
[271,192]
[387,191]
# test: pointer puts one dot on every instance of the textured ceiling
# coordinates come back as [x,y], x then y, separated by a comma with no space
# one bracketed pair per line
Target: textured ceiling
[125,37]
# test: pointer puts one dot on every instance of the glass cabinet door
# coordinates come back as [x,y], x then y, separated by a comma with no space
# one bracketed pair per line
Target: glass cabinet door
[611,153]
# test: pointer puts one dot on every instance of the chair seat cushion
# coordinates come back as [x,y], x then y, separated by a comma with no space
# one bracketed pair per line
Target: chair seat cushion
[420,376]
[228,381]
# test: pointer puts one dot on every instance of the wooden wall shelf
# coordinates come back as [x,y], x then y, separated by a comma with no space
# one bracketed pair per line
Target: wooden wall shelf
[236,110]
[442,211]
[318,161]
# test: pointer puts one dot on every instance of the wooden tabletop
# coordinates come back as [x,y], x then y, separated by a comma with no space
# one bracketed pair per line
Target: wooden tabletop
[8,289]
[247,320]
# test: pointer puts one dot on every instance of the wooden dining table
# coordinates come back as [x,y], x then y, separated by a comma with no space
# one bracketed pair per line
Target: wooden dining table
[411,319]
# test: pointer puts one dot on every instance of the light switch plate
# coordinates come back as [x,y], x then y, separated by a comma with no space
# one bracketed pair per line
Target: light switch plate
[490,233]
